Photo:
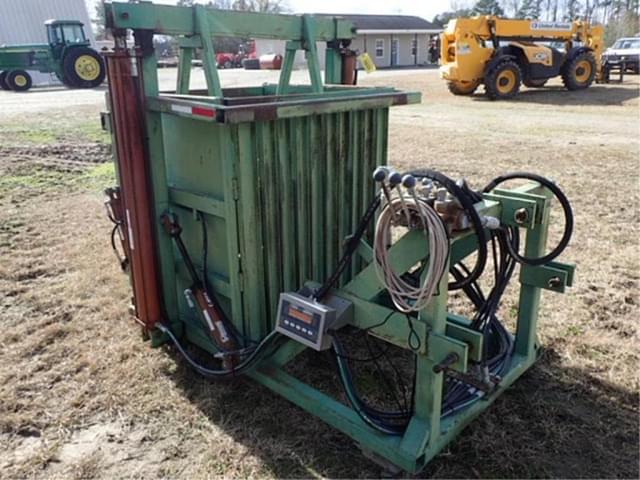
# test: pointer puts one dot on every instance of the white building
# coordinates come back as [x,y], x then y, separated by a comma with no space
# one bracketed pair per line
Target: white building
[390,40]
[22,22]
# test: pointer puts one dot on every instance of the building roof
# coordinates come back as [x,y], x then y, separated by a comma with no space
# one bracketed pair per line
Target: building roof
[388,23]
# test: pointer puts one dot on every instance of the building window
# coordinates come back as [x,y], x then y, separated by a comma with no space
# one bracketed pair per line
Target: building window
[379,48]
[414,47]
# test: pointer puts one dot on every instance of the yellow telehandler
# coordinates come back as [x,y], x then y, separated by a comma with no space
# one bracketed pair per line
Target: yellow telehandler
[503,53]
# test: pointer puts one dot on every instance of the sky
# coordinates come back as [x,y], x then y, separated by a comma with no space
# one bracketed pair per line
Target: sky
[426,9]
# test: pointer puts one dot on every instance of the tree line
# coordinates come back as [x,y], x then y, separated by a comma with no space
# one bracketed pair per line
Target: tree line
[620,17]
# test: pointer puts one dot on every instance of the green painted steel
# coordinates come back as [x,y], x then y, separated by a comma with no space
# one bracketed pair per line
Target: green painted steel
[278,176]
[169,20]
[271,189]
[29,57]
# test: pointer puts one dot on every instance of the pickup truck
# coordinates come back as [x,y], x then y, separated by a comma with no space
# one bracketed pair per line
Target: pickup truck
[625,50]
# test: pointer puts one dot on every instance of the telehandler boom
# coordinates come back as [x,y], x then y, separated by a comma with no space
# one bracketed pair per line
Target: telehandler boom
[502,54]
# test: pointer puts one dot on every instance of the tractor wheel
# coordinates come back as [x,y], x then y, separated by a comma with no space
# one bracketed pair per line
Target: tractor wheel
[503,80]
[535,83]
[63,80]
[19,80]
[228,64]
[3,81]
[579,71]
[460,88]
[83,68]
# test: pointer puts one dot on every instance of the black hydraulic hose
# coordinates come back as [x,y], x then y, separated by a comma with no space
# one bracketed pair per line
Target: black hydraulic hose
[205,252]
[257,354]
[205,282]
[566,207]
[467,201]
[122,260]
[360,408]
[352,245]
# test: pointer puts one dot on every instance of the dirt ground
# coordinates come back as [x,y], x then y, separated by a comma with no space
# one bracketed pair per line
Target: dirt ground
[82,396]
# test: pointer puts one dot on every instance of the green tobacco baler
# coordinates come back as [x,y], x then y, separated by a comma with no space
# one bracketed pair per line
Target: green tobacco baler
[68,55]
[246,218]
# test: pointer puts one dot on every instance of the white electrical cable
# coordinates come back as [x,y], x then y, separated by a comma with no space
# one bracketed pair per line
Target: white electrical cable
[405,296]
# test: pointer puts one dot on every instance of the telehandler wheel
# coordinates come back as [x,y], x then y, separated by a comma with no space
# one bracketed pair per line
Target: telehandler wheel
[3,81]
[83,68]
[534,83]
[19,80]
[503,80]
[579,72]
[459,88]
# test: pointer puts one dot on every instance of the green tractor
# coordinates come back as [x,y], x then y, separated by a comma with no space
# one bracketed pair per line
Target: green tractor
[68,55]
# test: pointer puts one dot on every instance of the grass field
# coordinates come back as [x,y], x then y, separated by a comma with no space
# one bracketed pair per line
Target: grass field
[82,396]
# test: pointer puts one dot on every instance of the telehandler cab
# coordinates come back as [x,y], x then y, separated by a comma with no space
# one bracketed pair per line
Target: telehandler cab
[68,55]
[502,54]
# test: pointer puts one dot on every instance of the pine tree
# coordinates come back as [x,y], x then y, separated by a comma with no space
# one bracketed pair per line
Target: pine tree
[488,7]
[573,10]
[529,9]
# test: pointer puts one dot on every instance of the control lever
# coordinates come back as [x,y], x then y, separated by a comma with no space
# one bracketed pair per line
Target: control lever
[409,182]
[380,175]
[449,360]
[394,181]
[485,385]
[210,311]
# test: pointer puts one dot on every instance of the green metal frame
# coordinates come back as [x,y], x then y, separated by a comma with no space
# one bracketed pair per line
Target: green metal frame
[196,26]
[319,145]
[440,332]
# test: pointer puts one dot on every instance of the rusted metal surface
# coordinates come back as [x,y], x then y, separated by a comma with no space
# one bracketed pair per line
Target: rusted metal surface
[349,67]
[127,109]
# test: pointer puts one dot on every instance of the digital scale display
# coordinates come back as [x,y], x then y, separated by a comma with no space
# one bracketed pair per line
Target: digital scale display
[303,319]
[300,315]
[298,321]
[308,321]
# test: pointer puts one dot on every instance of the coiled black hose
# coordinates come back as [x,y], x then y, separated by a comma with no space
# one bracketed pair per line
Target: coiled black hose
[566,207]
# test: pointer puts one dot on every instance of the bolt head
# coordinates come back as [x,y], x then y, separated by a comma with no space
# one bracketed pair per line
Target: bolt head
[521,216]
[554,282]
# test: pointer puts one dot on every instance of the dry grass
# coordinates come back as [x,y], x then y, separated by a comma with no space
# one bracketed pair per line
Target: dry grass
[82,396]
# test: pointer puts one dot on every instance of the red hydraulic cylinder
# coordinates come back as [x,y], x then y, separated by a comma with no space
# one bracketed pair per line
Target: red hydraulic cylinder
[349,67]
[126,96]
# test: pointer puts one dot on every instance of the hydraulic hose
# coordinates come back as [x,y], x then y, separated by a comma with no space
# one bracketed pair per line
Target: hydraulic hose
[257,354]
[367,414]
[566,207]
[352,245]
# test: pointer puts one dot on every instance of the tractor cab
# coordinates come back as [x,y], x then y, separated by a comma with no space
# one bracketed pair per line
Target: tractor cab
[65,33]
